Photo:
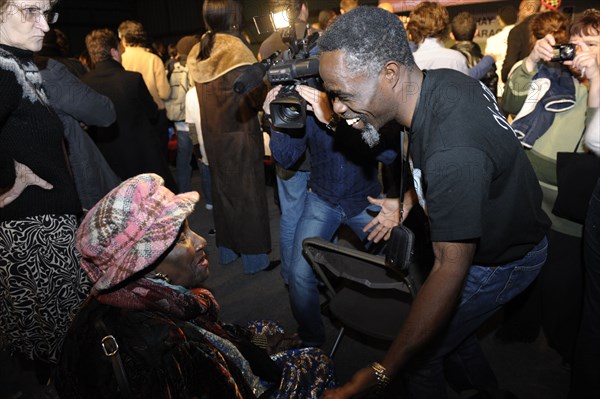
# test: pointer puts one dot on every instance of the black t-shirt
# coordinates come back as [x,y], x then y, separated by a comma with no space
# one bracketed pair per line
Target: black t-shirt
[476,179]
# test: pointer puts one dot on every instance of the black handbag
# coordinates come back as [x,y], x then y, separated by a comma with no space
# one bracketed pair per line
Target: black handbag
[400,248]
[576,175]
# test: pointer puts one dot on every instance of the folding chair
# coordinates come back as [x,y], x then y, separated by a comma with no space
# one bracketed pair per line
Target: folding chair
[362,293]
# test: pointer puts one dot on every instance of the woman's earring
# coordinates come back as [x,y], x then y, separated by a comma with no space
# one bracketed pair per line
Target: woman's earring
[162,276]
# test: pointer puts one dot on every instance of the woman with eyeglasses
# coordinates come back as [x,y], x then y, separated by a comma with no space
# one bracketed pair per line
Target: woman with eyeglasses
[41,283]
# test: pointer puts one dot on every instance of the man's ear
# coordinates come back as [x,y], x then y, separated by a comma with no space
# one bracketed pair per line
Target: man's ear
[115,54]
[391,72]
[452,36]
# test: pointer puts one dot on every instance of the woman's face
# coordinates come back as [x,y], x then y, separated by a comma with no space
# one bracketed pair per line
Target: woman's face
[592,42]
[23,24]
[186,262]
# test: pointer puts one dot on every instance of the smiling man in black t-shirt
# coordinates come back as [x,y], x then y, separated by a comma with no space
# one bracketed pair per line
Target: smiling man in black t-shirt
[471,176]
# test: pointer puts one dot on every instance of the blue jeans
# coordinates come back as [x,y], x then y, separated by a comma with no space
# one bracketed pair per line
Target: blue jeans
[292,195]
[457,350]
[183,166]
[252,263]
[319,219]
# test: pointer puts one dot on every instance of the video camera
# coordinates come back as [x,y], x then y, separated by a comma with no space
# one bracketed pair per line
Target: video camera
[294,67]
[288,69]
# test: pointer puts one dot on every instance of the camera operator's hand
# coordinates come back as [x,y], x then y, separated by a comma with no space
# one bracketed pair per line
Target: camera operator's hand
[318,102]
[271,95]
[542,51]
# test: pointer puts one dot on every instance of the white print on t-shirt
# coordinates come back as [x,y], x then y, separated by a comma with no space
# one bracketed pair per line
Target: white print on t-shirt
[418,181]
[498,116]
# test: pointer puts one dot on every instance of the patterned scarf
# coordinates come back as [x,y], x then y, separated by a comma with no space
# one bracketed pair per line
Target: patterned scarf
[197,305]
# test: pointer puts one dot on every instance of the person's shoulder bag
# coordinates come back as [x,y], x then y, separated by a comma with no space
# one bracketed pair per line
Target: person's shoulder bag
[576,174]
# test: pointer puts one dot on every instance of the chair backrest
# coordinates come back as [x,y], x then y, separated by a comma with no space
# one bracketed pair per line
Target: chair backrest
[363,294]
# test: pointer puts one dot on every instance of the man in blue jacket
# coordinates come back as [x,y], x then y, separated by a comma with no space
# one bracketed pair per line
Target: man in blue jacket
[344,174]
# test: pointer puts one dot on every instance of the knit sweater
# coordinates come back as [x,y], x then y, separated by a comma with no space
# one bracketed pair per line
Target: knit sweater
[31,133]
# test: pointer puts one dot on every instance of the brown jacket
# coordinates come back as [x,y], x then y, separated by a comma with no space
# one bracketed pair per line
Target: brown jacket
[234,145]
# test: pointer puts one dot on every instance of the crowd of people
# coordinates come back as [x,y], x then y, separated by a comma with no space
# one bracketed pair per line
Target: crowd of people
[101,276]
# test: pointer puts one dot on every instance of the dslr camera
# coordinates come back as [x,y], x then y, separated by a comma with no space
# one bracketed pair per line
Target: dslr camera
[293,67]
[563,52]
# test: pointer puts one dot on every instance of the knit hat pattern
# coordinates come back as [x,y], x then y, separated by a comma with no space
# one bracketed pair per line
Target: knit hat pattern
[551,4]
[130,228]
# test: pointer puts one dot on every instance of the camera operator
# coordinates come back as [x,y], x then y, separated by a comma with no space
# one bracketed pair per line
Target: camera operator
[344,173]
[292,181]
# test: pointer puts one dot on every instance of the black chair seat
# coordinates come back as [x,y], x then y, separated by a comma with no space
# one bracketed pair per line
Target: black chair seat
[379,313]
[363,294]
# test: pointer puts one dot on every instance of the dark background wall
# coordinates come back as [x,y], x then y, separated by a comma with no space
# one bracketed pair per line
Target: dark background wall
[167,20]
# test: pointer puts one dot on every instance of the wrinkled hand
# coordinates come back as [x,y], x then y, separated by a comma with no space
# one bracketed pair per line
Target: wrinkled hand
[271,95]
[280,342]
[362,381]
[542,51]
[24,177]
[318,102]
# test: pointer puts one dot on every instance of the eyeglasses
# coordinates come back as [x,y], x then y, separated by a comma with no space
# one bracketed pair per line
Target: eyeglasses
[33,14]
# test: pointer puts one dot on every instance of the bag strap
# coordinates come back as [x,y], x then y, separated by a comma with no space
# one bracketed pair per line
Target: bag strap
[110,347]
[402,160]
[579,141]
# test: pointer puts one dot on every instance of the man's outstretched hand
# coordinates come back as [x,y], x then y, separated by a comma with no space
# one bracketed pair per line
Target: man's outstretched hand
[362,382]
[390,216]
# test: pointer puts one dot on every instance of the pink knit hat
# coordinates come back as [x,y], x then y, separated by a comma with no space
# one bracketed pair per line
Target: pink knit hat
[130,228]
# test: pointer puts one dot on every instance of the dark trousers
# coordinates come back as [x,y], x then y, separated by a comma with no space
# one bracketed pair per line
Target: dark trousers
[586,365]
[162,129]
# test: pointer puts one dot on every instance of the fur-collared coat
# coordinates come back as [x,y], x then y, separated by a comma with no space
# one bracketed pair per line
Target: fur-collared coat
[234,145]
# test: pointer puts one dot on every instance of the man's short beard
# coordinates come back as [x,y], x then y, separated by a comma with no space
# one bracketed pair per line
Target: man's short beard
[370,135]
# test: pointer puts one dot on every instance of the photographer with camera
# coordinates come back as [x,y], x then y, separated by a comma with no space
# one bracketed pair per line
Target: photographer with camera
[344,173]
[585,368]
[550,102]
[292,182]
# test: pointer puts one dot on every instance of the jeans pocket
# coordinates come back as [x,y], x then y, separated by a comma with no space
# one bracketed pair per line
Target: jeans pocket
[524,272]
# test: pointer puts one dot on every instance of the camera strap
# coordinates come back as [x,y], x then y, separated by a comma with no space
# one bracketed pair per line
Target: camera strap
[403,134]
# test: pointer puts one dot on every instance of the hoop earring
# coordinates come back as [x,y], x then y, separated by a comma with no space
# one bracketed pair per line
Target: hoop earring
[162,276]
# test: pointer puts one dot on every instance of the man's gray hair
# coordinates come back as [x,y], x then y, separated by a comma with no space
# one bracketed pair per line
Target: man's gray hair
[370,37]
